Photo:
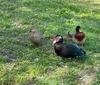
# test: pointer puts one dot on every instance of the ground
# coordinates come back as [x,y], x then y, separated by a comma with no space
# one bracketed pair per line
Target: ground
[22,64]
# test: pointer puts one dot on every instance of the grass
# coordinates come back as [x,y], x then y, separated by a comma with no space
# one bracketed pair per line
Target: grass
[22,64]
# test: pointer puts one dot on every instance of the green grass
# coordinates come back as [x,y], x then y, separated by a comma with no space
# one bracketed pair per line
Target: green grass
[22,64]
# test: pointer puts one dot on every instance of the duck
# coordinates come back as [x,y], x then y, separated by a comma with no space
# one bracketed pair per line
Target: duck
[79,37]
[66,50]
[68,37]
[36,37]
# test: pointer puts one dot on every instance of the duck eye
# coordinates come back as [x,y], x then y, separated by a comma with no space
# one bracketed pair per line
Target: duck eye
[60,37]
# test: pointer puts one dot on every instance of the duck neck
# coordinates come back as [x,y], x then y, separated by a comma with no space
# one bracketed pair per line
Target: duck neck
[78,30]
[58,45]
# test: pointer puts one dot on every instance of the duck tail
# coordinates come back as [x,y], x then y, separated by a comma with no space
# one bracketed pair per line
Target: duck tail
[83,52]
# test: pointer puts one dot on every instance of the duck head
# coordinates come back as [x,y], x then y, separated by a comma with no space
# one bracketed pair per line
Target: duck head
[78,29]
[58,39]
[34,30]
[70,34]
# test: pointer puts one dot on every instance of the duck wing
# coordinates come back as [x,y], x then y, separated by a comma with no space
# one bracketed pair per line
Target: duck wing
[73,50]
[79,36]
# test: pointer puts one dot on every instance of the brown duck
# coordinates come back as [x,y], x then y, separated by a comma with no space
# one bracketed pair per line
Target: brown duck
[36,37]
[79,37]
[68,37]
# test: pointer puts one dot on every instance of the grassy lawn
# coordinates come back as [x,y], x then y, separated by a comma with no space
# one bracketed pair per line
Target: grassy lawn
[22,64]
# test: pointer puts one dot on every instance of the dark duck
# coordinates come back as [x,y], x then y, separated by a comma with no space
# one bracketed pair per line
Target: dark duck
[66,50]
[79,37]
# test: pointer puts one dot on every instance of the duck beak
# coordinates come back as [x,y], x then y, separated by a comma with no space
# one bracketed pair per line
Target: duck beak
[54,41]
[80,30]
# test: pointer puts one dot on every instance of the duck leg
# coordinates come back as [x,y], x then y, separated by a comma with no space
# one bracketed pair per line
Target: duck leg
[64,59]
[36,45]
